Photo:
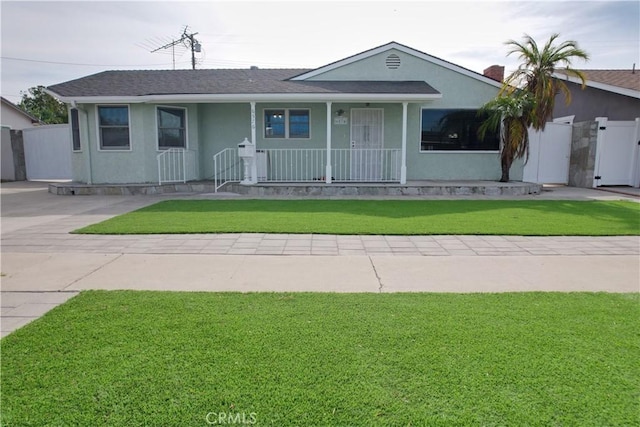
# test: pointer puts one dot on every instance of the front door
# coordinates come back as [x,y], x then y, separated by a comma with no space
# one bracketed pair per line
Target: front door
[366,144]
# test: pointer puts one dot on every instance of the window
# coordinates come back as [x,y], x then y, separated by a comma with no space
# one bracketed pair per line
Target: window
[286,123]
[455,130]
[274,121]
[114,127]
[299,124]
[171,128]
[75,129]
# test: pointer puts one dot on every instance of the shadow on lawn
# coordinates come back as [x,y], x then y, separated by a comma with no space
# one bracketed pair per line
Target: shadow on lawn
[404,217]
[620,210]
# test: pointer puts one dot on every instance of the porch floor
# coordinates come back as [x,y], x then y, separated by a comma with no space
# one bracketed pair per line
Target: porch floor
[306,189]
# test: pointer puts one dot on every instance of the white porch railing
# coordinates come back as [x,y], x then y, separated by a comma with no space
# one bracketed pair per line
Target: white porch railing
[172,165]
[366,165]
[309,165]
[227,167]
[348,165]
[291,165]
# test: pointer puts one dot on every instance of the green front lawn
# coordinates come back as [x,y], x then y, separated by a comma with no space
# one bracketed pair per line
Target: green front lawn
[174,359]
[402,217]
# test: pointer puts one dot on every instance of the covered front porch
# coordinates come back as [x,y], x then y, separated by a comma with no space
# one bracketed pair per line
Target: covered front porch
[342,142]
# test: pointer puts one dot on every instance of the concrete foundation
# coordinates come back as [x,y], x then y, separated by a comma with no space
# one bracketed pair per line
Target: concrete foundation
[417,188]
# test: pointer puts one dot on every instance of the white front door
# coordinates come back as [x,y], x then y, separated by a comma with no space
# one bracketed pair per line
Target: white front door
[367,141]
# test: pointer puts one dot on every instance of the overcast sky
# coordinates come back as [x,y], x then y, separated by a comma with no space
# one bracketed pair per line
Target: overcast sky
[50,42]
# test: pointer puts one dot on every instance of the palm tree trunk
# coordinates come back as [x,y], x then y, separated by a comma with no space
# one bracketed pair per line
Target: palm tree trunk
[506,157]
[506,166]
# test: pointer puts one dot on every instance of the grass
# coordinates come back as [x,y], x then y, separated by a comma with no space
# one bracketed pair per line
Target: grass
[145,358]
[400,217]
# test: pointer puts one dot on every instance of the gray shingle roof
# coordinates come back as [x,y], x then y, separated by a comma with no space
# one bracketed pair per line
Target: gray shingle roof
[223,81]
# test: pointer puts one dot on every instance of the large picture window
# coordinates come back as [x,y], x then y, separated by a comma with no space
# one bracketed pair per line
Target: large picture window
[114,127]
[171,128]
[455,130]
[286,123]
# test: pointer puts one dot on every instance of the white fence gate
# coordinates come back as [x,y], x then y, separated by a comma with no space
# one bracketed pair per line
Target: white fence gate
[617,153]
[47,152]
[549,154]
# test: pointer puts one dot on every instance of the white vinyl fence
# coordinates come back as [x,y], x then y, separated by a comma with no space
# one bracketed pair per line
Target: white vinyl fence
[617,161]
[47,152]
[549,154]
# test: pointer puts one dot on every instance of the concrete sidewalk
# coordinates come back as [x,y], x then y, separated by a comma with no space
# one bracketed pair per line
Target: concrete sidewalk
[246,273]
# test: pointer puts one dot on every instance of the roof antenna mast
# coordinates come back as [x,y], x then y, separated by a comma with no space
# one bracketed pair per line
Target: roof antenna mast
[189,40]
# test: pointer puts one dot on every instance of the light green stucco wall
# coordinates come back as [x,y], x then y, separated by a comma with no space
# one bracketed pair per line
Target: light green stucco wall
[139,165]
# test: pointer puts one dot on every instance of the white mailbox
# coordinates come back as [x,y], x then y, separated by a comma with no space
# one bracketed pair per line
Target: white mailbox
[246,149]
[247,152]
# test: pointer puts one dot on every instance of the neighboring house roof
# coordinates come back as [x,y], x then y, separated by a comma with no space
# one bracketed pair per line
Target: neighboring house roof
[623,82]
[14,107]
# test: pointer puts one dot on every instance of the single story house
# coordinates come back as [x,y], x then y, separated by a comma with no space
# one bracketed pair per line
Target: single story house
[389,114]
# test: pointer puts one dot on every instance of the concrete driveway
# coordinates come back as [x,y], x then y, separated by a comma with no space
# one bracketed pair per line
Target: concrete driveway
[43,265]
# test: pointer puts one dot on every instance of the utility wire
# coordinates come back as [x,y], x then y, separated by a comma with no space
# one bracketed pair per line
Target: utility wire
[12,58]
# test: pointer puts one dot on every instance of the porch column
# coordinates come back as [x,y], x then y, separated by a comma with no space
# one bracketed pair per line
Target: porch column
[254,163]
[403,164]
[83,116]
[328,172]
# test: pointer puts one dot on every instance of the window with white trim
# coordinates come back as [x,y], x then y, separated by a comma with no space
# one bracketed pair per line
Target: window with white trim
[455,130]
[285,123]
[172,128]
[113,123]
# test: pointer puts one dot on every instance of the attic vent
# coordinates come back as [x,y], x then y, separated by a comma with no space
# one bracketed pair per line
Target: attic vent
[393,61]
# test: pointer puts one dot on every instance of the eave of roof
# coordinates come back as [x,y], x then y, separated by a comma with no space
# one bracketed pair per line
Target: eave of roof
[249,97]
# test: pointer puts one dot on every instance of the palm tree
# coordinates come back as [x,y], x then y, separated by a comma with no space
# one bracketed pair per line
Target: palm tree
[511,115]
[535,73]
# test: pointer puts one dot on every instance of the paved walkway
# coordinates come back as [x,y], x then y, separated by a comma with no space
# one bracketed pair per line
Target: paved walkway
[42,239]
[43,265]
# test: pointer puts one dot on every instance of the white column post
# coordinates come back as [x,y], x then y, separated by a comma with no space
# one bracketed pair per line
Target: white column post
[254,161]
[84,127]
[328,171]
[403,165]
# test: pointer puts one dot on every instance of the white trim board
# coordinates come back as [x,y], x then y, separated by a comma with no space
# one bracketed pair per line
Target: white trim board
[261,97]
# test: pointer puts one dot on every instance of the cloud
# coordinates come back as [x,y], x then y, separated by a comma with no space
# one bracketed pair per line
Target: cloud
[120,35]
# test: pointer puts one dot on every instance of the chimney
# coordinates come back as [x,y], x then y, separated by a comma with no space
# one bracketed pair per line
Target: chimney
[495,72]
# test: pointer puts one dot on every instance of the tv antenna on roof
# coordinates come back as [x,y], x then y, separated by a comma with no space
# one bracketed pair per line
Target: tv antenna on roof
[188,40]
